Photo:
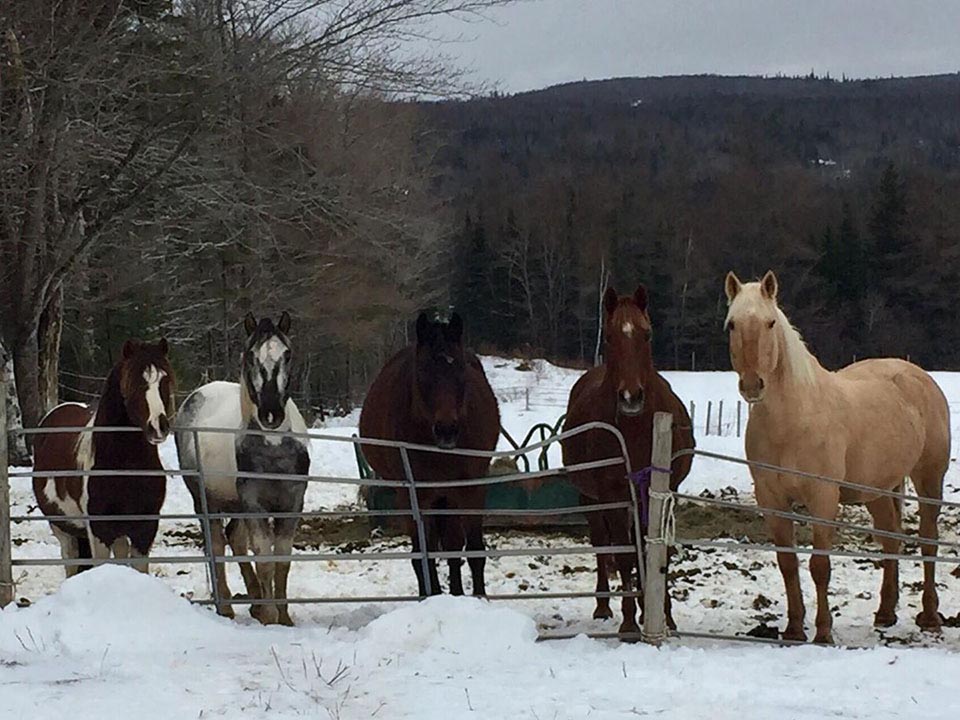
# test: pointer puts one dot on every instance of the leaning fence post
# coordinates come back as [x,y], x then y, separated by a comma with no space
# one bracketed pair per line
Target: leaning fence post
[706,428]
[418,519]
[6,561]
[693,418]
[720,419]
[205,525]
[654,595]
[738,418]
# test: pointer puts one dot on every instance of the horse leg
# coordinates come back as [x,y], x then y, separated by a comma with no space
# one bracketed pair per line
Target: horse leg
[781,531]
[284,530]
[453,540]
[69,549]
[929,485]
[667,602]
[261,536]
[121,548]
[218,541]
[473,529]
[820,571]
[238,537]
[598,538]
[620,535]
[886,517]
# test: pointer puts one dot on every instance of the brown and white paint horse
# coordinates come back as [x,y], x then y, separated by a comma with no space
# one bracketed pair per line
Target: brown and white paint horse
[137,393]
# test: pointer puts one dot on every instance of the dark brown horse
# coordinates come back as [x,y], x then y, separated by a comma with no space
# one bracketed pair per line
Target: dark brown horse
[626,391]
[137,393]
[436,393]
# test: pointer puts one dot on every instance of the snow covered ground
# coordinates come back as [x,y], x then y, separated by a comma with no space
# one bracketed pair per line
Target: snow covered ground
[111,640]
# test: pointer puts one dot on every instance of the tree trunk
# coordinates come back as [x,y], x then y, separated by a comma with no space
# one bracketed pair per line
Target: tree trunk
[48,345]
[16,443]
[26,367]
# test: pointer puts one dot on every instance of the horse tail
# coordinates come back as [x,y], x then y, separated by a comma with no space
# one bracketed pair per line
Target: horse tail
[84,553]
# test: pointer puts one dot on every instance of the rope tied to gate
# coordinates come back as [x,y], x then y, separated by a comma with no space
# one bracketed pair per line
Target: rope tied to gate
[668,519]
[641,478]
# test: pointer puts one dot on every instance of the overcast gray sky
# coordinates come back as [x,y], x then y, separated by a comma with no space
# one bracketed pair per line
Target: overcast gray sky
[537,43]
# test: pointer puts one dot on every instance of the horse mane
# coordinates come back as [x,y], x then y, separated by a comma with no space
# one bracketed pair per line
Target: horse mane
[801,361]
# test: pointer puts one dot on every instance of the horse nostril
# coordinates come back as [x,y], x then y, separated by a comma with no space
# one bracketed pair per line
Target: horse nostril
[760,383]
[164,425]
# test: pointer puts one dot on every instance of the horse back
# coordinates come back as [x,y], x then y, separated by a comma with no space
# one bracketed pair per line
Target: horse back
[59,452]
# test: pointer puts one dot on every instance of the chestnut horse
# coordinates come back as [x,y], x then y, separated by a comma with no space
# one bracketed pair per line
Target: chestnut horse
[137,393]
[434,392]
[626,391]
[871,423]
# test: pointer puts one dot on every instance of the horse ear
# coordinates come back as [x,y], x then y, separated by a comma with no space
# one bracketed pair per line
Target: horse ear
[163,346]
[423,329]
[454,328]
[640,297]
[769,285]
[249,323]
[732,286]
[610,299]
[283,325]
[129,348]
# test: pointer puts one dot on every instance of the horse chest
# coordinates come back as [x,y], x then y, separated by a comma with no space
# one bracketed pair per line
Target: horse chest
[255,454]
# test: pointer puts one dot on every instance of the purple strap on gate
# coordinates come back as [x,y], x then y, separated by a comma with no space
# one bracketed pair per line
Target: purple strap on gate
[642,479]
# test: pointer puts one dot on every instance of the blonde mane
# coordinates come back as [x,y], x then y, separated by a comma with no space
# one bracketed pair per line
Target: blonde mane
[801,362]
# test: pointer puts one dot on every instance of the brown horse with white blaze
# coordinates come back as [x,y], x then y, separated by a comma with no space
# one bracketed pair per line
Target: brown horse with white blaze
[626,391]
[435,392]
[137,394]
[872,423]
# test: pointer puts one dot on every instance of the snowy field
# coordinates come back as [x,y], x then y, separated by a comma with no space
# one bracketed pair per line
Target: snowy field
[111,641]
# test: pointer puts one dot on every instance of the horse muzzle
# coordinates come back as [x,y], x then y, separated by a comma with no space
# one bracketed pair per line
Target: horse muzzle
[629,404]
[157,432]
[752,389]
[446,435]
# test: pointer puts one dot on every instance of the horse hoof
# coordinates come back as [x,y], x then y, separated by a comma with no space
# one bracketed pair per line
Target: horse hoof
[794,635]
[286,620]
[227,612]
[825,639]
[885,620]
[602,613]
[629,632]
[930,622]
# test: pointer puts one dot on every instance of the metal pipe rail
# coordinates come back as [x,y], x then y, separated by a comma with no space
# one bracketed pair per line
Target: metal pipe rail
[811,520]
[814,476]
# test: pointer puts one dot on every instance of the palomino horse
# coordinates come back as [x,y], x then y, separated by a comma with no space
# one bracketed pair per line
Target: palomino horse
[137,393]
[626,391]
[260,401]
[871,423]
[436,393]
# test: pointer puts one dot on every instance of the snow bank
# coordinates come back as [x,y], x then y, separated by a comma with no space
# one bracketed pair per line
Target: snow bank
[112,643]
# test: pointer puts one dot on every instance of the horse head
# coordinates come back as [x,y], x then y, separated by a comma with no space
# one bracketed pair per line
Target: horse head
[265,369]
[146,384]
[627,350]
[755,343]
[440,378]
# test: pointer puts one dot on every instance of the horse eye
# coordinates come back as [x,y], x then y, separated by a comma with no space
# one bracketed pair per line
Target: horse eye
[730,326]
[771,323]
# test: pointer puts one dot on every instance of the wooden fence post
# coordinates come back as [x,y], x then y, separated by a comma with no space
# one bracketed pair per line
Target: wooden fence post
[693,418]
[738,418]
[720,419]
[706,428]
[527,396]
[6,562]
[654,594]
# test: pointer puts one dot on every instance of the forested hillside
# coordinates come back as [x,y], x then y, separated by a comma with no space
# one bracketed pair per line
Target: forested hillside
[849,190]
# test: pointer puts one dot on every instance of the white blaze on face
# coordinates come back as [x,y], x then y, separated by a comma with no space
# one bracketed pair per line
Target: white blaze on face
[155,406]
[628,329]
[270,357]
